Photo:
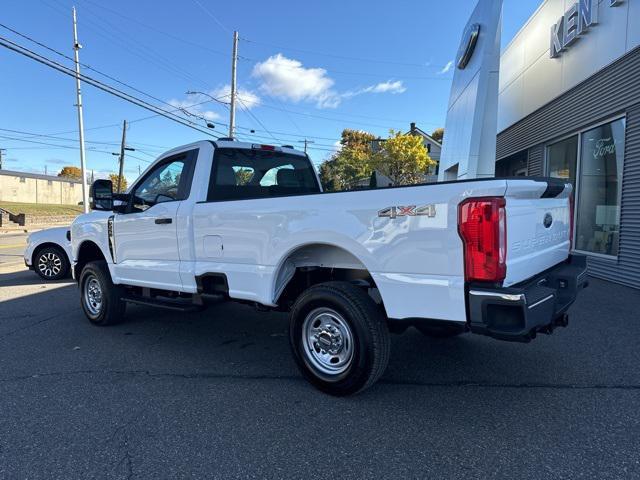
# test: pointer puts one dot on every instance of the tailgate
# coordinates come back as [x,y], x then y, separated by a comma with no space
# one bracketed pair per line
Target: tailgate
[538,226]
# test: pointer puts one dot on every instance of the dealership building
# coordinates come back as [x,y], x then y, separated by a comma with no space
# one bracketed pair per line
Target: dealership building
[569,107]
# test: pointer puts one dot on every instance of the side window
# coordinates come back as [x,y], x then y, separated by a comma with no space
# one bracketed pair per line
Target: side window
[271,177]
[243,175]
[168,181]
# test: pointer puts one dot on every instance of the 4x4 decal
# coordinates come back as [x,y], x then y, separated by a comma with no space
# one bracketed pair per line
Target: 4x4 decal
[408,211]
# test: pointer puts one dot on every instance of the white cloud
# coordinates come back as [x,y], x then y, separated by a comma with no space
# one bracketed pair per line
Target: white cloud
[195,103]
[389,87]
[393,87]
[447,67]
[288,79]
[248,98]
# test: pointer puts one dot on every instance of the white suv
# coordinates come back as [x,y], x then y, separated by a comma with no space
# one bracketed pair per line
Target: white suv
[48,253]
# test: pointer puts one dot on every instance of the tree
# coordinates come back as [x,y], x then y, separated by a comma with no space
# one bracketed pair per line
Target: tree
[438,134]
[403,158]
[71,172]
[114,179]
[243,175]
[351,163]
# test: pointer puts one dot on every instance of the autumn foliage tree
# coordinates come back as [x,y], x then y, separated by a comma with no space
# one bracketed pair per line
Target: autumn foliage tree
[351,163]
[71,172]
[403,158]
[114,179]
[438,134]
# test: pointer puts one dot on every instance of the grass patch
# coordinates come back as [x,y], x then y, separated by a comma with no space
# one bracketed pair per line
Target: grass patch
[41,209]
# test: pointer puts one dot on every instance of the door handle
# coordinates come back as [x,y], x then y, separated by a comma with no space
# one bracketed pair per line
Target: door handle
[163,221]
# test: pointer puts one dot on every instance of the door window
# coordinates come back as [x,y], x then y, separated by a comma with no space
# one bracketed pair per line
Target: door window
[166,182]
[598,206]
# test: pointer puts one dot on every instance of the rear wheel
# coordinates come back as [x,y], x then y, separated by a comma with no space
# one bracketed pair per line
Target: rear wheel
[51,263]
[339,338]
[101,300]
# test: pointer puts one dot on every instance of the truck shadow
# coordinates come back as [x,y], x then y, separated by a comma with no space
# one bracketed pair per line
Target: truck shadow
[50,334]
[26,277]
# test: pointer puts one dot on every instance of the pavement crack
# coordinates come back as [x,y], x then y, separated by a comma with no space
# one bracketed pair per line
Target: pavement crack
[126,458]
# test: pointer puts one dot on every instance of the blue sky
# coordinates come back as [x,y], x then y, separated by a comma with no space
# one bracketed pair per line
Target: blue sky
[305,70]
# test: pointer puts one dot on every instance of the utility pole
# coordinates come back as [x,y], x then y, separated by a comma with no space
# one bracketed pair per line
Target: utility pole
[123,148]
[1,150]
[232,107]
[83,166]
[121,159]
[306,142]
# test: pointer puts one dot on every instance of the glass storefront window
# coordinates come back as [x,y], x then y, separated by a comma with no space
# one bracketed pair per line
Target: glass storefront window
[561,159]
[600,180]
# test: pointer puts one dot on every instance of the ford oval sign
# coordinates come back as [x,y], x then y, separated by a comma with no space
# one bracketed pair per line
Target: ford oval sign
[468,45]
[548,220]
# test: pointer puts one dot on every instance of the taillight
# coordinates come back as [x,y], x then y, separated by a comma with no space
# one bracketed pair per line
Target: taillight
[571,202]
[482,225]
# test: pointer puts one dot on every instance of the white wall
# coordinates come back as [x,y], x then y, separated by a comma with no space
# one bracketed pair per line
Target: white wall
[38,190]
[529,78]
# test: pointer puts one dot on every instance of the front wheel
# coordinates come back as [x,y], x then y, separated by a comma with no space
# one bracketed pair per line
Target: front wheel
[339,338]
[101,300]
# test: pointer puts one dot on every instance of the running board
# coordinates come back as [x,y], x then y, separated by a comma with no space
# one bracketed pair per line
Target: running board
[166,304]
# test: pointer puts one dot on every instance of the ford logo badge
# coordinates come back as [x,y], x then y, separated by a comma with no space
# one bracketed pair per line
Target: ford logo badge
[548,220]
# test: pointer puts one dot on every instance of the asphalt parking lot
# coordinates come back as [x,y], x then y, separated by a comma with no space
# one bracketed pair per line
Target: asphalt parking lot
[216,395]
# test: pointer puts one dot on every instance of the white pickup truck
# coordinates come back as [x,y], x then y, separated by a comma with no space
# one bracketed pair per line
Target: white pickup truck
[227,220]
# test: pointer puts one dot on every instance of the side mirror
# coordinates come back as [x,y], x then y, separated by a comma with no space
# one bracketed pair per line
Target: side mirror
[101,195]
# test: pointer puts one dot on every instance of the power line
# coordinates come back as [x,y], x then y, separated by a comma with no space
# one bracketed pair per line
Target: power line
[215,19]
[157,30]
[133,47]
[244,107]
[389,77]
[89,67]
[100,85]
[68,147]
[333,55]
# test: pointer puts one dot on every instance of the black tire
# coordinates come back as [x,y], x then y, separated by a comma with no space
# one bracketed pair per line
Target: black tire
[441,331]
[368,337]
[51,263]
[111,308]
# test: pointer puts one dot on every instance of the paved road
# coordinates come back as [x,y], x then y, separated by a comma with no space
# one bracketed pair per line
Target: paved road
[217,395]
[11,248]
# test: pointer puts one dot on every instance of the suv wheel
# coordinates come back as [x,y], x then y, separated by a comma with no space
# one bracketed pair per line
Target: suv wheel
[339,338]
[101,300]
[51,263]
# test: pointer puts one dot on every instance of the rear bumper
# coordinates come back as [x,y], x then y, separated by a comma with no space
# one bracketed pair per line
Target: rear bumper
[538,305]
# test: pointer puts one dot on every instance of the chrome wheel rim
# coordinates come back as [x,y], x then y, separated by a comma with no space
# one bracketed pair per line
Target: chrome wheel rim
[328,341]
[49,264]
[93,295]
